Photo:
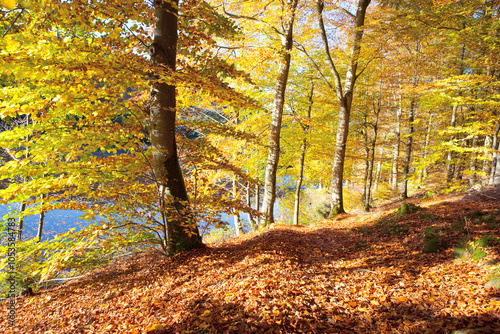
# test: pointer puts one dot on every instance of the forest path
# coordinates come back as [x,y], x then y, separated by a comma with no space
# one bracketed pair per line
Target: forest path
[365,273]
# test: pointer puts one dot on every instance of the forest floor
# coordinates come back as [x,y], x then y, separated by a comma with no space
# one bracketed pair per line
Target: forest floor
[379,272]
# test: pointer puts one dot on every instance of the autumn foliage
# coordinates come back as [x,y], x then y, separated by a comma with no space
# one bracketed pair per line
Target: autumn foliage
[351,275]
[170,123]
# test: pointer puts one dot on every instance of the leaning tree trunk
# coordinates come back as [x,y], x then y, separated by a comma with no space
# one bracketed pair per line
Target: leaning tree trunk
[406,170]
[276,117]
[182,230]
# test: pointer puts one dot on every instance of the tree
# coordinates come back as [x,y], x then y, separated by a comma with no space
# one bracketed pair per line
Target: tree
[344,93]
[182,229]
[284,54]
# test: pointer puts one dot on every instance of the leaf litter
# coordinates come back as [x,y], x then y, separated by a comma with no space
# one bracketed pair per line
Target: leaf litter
[354,274]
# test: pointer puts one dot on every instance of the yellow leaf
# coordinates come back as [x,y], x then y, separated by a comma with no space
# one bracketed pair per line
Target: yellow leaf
[9,4]
[204,314]
[156,327]
[276,313]
[403,299]
[374,302]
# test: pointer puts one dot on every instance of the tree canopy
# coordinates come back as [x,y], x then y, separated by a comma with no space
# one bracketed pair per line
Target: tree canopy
[157,120]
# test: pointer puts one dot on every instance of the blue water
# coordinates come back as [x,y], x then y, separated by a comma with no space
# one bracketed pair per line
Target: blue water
[61,221]
[55,222]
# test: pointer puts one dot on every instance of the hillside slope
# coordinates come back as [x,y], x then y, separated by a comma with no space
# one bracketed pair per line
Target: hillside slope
[366,273]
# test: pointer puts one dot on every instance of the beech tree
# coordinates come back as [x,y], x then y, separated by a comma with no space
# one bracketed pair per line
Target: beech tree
[182,228]
[344,92]
[102,131]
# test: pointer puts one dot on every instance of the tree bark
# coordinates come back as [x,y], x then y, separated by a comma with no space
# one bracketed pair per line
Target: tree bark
[41,221]
[406,170]
[303,150]
[238,227]
[344,98]
[473,163]
[367,204]
[182,229]
[22,208]
[277,115]
[296,209]
[378,173]
[423,173]
[257,197]
[397,145]
[367,158]
[253,224]
[495,162]
[450,166]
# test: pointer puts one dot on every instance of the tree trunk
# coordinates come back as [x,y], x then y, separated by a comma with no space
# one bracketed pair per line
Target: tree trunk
[277,115]
[450,166]
[367,158]
[486,163]
[22,208]
[378,173]
[344,98]
[238,227]
[473,163]
[406,170]
[305,129]
[397,144]
[423,173]
[296,209]
[253,224]
[257,197]
[337,205]
[495,162]
[41,221]
[367,203]
[182,229]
